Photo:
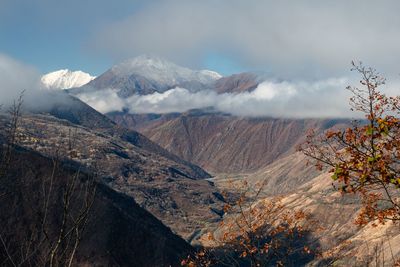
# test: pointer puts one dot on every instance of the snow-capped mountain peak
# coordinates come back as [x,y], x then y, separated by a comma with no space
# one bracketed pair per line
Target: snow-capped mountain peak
[162,71]
[215,75]
[65,79]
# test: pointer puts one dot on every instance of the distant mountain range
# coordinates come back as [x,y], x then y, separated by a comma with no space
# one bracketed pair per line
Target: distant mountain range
[146,75]
[217,142]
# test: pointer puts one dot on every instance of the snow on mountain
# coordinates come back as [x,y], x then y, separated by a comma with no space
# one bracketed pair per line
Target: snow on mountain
[65,79]
[212,74]
[163,71]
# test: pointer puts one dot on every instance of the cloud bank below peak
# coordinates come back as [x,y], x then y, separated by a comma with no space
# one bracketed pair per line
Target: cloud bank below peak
[320,99]
[20,79]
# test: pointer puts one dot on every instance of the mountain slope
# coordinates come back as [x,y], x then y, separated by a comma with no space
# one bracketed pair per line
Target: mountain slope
[65,79]
[170,188]
[65,107]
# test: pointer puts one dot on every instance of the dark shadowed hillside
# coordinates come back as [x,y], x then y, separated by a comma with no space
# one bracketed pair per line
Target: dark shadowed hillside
[118,232]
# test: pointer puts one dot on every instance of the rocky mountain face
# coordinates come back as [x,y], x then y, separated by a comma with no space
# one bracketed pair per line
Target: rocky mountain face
[146,75]
[65,79]
[118,231]
[222,143]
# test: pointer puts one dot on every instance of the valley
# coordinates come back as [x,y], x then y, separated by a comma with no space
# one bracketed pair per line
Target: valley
[175,186]
[244,153]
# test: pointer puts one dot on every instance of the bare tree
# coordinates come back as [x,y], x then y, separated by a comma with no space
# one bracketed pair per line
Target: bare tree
[62,206]
[10,134]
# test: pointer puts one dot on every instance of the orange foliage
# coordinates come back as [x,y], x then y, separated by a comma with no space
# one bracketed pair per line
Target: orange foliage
[365,158]
[256,231]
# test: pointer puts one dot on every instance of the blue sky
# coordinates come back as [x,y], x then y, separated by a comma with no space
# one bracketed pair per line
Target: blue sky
[53,34]
[296,40]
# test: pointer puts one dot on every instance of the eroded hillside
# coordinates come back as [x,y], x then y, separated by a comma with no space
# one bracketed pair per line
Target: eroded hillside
[222,143]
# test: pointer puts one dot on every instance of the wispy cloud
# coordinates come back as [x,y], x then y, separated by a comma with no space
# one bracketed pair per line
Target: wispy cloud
[293,39]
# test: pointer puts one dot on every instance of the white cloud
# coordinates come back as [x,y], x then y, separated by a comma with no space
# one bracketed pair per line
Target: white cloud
[322,98]
[15,78]
[325,98]
[104,101]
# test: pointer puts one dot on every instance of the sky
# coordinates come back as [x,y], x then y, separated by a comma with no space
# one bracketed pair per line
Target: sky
[291,39]
[304,46]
